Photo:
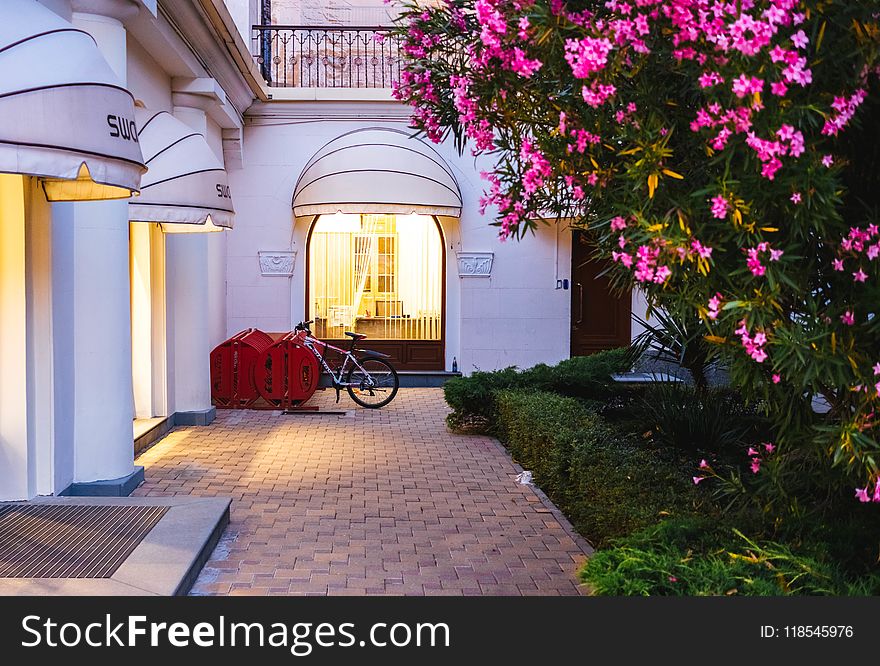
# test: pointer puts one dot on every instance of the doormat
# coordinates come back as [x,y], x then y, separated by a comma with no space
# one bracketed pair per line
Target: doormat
[74,541]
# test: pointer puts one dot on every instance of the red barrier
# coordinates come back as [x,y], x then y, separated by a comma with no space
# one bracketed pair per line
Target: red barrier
[232,368]
[286,374]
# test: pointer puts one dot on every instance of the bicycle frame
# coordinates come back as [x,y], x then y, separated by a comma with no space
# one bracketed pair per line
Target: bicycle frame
[349,357]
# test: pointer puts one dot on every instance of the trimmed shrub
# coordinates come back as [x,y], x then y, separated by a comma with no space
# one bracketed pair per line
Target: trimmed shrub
[472,398]
[699,557]
[605,483]
[589,377]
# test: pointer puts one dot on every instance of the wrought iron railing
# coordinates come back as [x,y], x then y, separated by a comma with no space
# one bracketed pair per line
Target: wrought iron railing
[327,56]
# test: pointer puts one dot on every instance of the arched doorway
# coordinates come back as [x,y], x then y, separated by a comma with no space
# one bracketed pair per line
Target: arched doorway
[383,275]
[375,250]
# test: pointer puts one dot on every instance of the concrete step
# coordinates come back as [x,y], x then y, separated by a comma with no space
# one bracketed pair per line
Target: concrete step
[165,562]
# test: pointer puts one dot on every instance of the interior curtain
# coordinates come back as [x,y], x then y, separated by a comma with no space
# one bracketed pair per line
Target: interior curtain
[363,260]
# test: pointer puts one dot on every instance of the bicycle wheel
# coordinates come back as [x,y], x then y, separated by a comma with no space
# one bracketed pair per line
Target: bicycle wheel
[374,386]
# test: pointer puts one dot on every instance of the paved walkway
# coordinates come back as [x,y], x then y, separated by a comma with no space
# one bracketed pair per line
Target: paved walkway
[374,502]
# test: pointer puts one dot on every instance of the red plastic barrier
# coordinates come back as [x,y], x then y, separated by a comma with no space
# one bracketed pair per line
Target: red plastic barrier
[232,368]
[286,374]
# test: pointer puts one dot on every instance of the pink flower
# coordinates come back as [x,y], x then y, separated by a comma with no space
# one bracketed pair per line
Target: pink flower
[848,318]
[587,55]
[714,306]
[876,369]
[752,451]
[597,94]
[623,258]
[719,207]
[704,464]
[673,579]
[838,264]
[753,345]
[618,223]
[698,248]
[662,274]
[778,88]
[862,495]
[756,465]
[775,255]
[769,447]
[699,479]
[709,79]
[796,198]
[860,276]
[800,39]
[745,85]
[827,161]
[524,66]
[754,262]
[776,378]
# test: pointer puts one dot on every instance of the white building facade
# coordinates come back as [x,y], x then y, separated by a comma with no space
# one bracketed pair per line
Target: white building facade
[277,181]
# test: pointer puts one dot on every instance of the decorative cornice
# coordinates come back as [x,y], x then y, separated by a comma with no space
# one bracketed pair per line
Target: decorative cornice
[277,263]
[475,264]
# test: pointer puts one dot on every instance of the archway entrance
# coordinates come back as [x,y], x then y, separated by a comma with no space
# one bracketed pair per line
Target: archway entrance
[382,275]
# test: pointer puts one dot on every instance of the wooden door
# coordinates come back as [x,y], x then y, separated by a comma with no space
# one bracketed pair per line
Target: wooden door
[600,319]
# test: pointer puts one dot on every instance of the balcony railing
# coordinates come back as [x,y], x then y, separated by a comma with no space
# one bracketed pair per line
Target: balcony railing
[327,56]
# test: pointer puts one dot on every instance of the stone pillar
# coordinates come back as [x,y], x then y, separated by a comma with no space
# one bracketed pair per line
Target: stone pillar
[101,327]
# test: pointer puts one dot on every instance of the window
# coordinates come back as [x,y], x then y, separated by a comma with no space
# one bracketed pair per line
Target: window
[380,275]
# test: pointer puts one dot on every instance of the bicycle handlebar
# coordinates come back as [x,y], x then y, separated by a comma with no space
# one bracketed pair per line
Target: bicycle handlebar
[303,325]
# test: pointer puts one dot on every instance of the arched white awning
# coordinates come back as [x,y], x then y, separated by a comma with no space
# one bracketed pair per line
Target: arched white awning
[186,188]
[377,170]
[64,116]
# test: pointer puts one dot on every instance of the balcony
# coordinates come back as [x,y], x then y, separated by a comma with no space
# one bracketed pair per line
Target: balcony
[356,57]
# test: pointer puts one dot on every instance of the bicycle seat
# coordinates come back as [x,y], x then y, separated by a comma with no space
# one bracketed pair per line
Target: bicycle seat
[356,336]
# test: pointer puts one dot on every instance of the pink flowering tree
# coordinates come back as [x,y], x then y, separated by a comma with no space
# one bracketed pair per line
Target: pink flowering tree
[714,150]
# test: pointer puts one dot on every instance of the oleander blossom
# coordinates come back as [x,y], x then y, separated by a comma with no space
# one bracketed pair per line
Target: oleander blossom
[753,344]
[714,306]
[720,206]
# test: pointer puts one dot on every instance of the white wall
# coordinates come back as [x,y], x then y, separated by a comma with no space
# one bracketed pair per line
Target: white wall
[245,13]
[515,317]
[147,81]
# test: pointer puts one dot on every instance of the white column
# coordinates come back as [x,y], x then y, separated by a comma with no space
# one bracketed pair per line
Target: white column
[102,392]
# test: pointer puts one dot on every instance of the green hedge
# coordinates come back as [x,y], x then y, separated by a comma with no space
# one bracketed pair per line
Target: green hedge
[589,377]
[697,557]
[606,483]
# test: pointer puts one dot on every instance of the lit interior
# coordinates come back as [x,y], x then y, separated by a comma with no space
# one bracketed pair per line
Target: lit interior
[380,275]
[83,188]
[141,320]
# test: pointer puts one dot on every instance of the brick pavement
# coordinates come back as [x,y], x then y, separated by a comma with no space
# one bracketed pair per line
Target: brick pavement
[374,502]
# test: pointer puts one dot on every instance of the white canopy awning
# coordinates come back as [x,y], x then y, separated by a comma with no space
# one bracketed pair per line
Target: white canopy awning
[377,170]
[186,183]
[64,116]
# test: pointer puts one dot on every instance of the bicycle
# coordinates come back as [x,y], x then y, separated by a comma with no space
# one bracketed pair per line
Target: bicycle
[369,374]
